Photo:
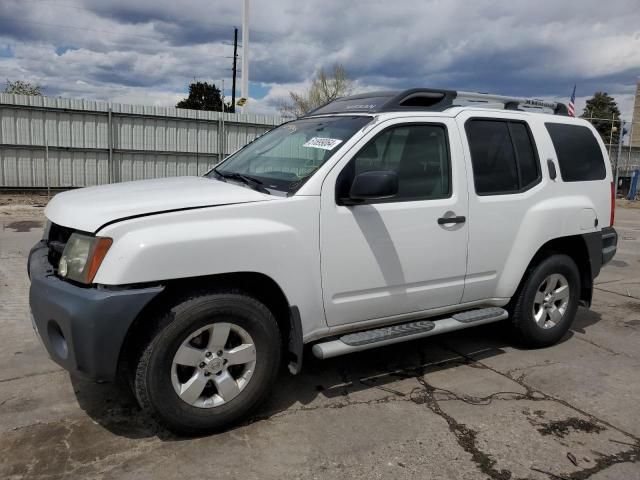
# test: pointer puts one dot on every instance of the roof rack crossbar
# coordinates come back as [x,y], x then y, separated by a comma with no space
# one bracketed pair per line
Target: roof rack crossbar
[509,103]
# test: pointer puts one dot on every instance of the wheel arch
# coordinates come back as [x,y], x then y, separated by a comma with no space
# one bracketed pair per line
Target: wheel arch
[580,249]
[260,286]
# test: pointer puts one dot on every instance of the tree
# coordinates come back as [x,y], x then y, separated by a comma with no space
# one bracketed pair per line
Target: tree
[203,96]
[602,108]
[324,89]
[20,87]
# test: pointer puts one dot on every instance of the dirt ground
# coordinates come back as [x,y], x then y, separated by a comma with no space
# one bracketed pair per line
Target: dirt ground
[36,199]
[622,203]
[467,405]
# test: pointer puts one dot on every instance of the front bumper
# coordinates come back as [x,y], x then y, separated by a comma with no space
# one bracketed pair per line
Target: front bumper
[82,328]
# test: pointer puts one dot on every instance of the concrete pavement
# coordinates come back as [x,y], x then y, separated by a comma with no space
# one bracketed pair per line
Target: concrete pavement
[469,405]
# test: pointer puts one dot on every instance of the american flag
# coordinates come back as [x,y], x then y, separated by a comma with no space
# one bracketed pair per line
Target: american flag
[572,103]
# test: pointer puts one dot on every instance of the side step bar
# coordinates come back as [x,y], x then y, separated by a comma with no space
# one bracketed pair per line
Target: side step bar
[356,342]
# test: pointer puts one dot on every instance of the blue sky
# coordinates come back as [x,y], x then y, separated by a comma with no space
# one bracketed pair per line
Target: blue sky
[148,51]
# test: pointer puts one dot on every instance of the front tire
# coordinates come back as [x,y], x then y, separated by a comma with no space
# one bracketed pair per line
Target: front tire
[212,361]
[548,301]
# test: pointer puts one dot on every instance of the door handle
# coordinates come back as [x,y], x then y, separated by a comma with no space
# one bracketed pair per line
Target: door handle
[445,220]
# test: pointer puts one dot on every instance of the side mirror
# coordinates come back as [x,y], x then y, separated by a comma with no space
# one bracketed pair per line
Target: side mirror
[373,186]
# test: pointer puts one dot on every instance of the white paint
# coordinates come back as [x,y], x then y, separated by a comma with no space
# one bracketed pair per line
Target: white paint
[87,209]
[507,230]
[392,258]
[588,217]
[276,238]
[345,267]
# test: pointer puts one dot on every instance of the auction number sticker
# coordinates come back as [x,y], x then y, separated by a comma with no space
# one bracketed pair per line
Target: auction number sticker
[323,143]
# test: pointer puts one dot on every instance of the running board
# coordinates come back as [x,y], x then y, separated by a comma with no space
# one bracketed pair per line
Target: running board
[356,342]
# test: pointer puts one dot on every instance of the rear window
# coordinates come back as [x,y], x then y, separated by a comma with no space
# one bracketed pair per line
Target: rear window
[578,152]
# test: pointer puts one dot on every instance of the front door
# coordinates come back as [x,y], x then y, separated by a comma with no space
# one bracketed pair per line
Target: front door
[393,256]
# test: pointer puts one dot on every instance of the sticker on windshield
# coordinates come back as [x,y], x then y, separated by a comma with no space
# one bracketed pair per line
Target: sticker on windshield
[323,143]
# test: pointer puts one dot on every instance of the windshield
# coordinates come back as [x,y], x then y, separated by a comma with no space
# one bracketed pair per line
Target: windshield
[284,158]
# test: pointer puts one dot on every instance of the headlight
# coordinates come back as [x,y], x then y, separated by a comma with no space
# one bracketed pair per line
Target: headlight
[82,257]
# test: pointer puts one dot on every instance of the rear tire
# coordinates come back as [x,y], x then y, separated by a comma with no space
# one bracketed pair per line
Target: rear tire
[547,303]
[213,359]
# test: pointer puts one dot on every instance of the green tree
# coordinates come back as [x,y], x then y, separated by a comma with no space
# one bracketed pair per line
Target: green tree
[602,108]
[20,87]
[325,87]
[203,96]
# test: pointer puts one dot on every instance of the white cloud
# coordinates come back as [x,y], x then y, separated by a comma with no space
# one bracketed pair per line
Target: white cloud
[148,51]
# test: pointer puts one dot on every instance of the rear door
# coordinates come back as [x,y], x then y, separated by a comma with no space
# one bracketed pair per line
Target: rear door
[393,257]
[505,183]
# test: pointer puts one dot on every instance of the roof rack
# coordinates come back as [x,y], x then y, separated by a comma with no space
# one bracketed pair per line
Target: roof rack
[433,100]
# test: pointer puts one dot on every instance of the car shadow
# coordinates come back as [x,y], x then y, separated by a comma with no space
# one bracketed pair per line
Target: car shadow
[114,408]
[584,319]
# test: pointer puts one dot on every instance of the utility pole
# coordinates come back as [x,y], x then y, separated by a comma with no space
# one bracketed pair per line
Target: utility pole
[630,139]
[615,189]
[613,126]
[235,61]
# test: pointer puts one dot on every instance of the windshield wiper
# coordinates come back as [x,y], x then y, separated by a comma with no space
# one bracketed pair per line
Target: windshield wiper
[246,179]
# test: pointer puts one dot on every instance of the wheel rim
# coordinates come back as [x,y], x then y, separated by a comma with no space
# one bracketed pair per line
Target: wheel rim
[551,301]
[213,365]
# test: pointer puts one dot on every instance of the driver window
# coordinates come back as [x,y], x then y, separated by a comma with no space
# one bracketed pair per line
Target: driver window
[418,154]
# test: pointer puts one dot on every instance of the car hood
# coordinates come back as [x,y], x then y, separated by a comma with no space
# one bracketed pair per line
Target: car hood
[90,208]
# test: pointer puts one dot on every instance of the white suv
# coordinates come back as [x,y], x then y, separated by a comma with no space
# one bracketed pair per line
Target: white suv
[376,219]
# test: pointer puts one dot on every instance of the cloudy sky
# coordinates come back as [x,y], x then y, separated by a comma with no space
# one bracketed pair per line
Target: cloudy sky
[147,51]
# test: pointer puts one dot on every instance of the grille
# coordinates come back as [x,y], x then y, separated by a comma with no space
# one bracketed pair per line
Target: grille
[56,241]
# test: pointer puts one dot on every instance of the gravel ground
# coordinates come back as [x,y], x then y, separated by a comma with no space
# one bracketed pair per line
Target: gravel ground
[20,199]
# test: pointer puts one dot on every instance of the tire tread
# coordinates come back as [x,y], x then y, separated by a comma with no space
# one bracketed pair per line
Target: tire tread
[521,319]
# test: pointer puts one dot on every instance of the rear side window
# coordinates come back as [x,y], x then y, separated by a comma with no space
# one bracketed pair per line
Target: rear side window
[503,156]
[578,152]
[526,158]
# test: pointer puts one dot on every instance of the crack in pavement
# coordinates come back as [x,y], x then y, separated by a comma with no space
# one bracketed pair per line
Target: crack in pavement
[465,436]
[409,372]
[602,462]
[331,406]
[63,452]
[510,373]
[29,375]
[431,396]
[608,350]
[628,295]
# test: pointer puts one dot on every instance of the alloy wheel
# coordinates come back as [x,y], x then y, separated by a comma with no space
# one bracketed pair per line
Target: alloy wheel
[551,301]
[213,365]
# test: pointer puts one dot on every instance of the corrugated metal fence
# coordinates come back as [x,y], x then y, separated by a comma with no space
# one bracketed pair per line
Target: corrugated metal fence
[58,142]
[629,158]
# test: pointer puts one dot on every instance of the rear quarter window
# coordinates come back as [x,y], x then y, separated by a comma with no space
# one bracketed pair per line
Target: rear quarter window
[503,156]
[578,152]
